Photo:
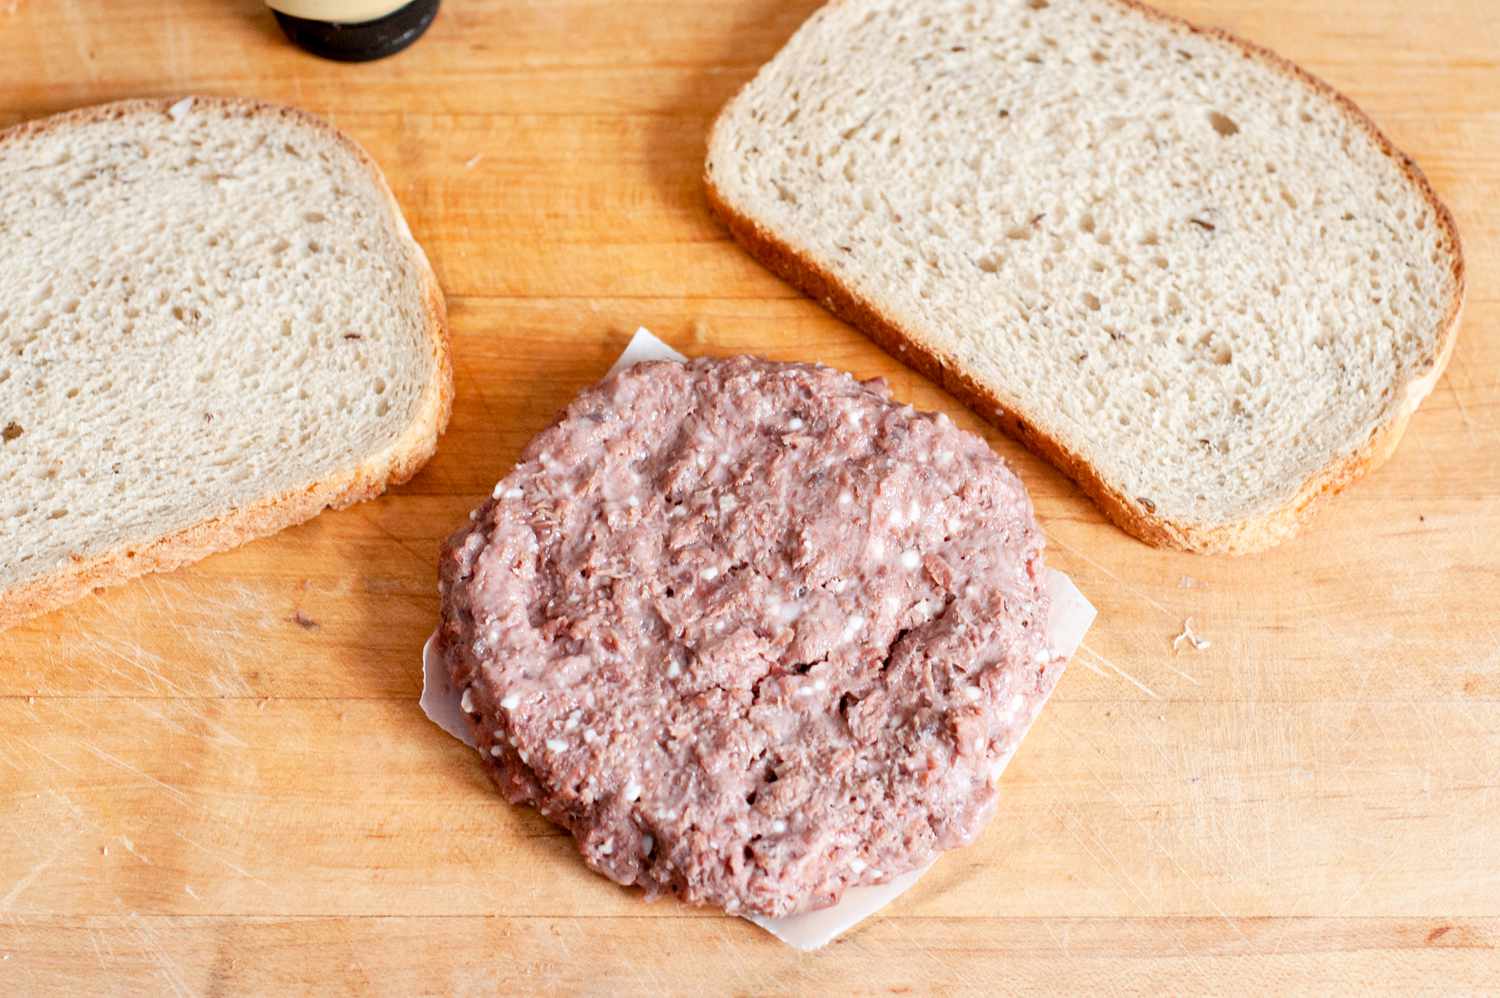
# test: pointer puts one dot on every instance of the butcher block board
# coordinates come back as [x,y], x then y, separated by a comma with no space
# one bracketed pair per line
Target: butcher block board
[218,781]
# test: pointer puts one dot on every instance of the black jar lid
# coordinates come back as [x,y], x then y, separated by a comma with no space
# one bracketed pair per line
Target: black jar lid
[365,40]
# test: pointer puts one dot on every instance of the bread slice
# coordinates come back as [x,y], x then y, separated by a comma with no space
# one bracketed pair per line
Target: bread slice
[1195,278]
[214,323]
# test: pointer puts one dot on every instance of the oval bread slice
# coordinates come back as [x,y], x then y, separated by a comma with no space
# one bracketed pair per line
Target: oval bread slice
[215,324]
[1195,278]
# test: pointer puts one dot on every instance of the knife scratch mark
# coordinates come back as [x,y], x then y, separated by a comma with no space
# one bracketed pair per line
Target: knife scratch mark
[163,961]
[19,887]
[220,859]
[1090,666]
[1123,674]
[1463,411]
[174,792]
[1051,539]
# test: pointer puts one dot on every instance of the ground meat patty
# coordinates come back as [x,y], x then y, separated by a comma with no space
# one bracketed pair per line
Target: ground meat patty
[752,632]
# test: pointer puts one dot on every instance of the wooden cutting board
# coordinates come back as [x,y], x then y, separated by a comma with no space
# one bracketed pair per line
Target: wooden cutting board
[218,781]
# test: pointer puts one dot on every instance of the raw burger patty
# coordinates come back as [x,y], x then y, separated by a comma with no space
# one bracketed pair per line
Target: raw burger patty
[752,632]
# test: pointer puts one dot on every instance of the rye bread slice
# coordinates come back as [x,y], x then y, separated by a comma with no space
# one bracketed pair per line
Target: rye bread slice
[1195,278]
[215,324]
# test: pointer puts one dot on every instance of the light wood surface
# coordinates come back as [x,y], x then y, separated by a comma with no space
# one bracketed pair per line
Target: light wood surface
[218,781]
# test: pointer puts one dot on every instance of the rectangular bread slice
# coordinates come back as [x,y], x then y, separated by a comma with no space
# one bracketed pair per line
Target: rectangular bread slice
[215,323]
[1195,278]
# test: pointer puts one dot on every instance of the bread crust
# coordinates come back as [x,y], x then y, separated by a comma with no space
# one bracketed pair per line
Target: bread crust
[1132,514]
[365,478]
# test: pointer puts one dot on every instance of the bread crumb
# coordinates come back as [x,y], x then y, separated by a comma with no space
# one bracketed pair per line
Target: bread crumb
[1196,641]
[473,161]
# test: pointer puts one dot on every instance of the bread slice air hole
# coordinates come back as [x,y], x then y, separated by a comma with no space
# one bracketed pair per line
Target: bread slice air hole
[1223,124]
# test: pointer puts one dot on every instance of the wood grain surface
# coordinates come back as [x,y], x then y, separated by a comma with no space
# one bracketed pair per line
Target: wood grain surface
[218,781]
